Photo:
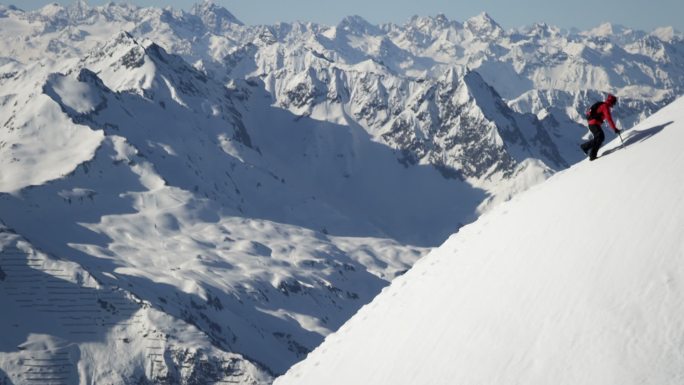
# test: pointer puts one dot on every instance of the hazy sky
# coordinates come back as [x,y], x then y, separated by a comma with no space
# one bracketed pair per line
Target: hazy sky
[639,14]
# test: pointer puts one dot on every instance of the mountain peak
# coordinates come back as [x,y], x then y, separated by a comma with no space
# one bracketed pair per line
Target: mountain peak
[483,24]
[214,16]
[440,17]
[79,5]
[607,29]
[79,10]
[667,34]
[123,48]
[482,18]
[541,30]
[51,10]
[440,21]
[357,24]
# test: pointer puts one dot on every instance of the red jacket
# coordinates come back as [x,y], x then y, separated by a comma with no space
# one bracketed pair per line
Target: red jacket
[604,111]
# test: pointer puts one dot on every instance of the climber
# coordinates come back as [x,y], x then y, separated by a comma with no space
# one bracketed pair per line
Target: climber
[599,112]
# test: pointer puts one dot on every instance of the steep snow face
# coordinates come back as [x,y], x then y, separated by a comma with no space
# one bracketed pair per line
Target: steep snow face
[576,281]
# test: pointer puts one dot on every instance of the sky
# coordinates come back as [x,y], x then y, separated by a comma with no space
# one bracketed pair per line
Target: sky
[582,14]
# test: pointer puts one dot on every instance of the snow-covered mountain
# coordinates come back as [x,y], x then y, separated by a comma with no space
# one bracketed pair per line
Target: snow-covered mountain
[213,199]
[581,286]
[170,201]
[642,68]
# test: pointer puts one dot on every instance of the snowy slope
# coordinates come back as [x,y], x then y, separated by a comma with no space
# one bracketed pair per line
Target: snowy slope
[577,281]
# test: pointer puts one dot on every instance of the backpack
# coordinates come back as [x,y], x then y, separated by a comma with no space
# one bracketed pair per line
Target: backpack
[592,113]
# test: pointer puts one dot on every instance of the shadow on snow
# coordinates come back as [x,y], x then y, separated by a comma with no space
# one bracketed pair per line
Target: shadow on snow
[638,136]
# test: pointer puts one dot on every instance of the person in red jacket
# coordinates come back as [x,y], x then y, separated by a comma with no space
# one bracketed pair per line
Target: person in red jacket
[596,117]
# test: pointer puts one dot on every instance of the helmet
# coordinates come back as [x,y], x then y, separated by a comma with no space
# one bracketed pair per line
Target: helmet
[611,100]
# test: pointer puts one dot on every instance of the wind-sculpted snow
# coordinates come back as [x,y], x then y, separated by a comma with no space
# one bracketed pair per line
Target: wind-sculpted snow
[243,190]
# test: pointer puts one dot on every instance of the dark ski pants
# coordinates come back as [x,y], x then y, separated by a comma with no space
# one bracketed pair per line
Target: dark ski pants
[592,146]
